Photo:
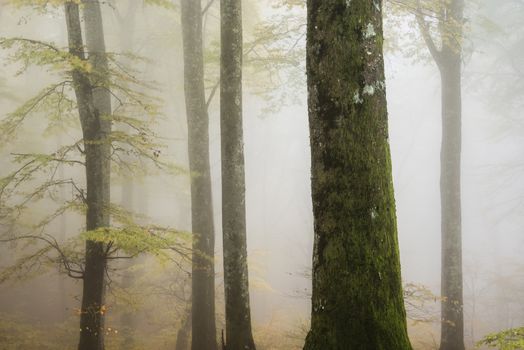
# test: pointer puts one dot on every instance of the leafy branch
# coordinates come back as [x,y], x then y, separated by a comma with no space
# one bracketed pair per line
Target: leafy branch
[511,339]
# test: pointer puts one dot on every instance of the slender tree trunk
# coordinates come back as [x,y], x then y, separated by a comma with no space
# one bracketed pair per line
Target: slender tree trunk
[96,47]
[452,327]
[236,284]
[449,61]
[98,177]
[203,267]
[448,58]
[182,338]
[95,132]
[357,292]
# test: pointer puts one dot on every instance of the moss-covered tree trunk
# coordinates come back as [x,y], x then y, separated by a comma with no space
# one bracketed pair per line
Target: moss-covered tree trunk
[94,107]
[357,291]
[236,285]
[203,267]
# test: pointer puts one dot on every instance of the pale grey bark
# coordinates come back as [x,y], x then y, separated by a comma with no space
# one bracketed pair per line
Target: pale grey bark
[452,331]
[449,61]
[184,332]
[236,282]
[203,268]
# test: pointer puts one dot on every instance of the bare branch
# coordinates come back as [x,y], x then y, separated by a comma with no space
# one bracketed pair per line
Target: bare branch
[426,34]
[212,94]
[208,5]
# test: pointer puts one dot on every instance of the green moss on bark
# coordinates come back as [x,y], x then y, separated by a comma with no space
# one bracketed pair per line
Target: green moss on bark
[357,294]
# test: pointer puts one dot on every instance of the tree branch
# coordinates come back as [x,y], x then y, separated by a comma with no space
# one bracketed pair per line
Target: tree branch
[209,3]
[424,30]
[212,94]
[51,242]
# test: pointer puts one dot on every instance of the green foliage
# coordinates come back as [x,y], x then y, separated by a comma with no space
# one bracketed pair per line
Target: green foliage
[35,178]
[40,5]
[33,166]
[511,339]
[167,4]
[274,58]
[50,100]
[28,52]
[135,109]
[135,239]
[421,304]
[410,23]
[290,4]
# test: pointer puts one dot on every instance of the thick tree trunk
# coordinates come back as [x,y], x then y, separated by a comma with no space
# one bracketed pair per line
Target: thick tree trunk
[357,291]
[203,267]
[452,326]
[236,284]
[93,106]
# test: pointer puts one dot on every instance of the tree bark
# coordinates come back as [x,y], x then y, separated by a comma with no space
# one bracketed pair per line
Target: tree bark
[203,267]
[92,107]
[449,62]
[98,162]
[182,338]
[236,283]
[357,298]
[452,325]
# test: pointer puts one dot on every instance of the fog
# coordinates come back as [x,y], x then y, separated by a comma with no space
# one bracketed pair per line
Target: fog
[39,307]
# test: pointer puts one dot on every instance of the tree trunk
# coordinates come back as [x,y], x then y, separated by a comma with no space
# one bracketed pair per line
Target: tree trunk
[357,298]
[452,326]
[449,61]
[182,338]
[236,284]
[92,107]
[98,162]
[203,267]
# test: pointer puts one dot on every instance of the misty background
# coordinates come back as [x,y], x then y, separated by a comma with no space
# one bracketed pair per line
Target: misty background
[278,197]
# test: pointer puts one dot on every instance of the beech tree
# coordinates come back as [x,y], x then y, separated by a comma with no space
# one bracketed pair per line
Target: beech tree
[94,106]
[357,291]
[203,270]
[236,282]
[84,91]
[450,21]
